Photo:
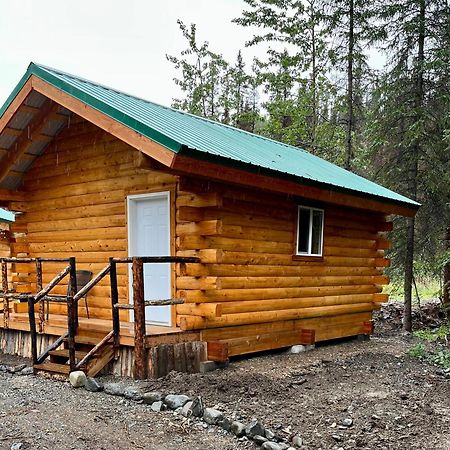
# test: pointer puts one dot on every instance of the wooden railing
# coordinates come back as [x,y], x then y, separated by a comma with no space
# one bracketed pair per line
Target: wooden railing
[73,296]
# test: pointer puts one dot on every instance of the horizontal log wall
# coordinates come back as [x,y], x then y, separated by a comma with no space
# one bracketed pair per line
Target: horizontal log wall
[76,206]
[250,279]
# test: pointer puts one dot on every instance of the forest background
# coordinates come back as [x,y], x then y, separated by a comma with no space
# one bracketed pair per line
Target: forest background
[318,89]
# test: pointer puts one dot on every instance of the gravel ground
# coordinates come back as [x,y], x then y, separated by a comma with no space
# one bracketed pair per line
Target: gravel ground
[395,402]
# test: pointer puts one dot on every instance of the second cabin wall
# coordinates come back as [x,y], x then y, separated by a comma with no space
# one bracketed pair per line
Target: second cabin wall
[76,206]
[247,239]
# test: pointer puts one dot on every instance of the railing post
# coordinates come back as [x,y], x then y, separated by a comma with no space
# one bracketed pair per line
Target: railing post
[140,360]
[114,310]
[72,312]
[5,298]
[32,320]
[38,289]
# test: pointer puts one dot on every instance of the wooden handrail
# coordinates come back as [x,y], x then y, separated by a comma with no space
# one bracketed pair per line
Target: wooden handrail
[30,260]
[52,284]
[41,358]
[93,351]
[164,302]
[84,290]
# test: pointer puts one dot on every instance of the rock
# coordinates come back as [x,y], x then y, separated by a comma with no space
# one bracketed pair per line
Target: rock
[212,416]
[259,439]
[16,446]
[225,424]
[176,401]
[197,407]
[93,385]
[152,397]
[297,441]
[347,422]
[3,368]
[238,428]
[271,446]
[18,368]
[295,349]
[27,371]
[113,389]
[209,366]
[132,393]
[291,448]
[157,406]
[186,410]
[283,445]
[255,427]
[77,378]
[270,435]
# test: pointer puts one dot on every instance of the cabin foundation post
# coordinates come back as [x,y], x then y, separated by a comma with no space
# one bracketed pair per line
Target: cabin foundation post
[32,320]
[5,291]
[72,313]
[140,358]
[114,310]
[38,289]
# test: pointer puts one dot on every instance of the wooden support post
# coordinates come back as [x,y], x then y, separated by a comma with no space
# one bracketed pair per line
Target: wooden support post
[72,312]
[140,363]
[114,310]
[32,320]
[5,291]
[38,289]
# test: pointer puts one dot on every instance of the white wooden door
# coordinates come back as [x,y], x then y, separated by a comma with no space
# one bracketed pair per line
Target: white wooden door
[149,235]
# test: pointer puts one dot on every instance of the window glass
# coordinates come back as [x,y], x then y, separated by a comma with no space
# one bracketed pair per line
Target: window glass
[303,230]
[316,238]
[310,231]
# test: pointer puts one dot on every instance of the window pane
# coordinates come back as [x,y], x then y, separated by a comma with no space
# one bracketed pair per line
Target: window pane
[317,225]
[303,230]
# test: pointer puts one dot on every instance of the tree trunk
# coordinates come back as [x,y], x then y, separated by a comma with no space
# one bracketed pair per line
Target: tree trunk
[413,171]
[350,56]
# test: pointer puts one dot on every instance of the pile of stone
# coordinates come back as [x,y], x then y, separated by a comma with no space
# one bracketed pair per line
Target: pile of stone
[20,369]
[192,408]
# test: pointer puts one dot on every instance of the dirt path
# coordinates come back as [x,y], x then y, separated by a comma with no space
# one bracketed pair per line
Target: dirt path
[395,402]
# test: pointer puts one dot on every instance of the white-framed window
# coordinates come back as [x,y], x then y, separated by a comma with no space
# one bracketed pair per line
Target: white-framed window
[309,231]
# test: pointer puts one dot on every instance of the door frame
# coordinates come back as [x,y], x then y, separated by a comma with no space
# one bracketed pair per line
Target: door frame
[131,200]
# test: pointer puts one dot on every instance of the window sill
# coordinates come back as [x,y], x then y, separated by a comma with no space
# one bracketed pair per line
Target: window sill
[308,258]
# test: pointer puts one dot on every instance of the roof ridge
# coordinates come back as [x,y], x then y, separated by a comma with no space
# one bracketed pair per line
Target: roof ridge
[194,116]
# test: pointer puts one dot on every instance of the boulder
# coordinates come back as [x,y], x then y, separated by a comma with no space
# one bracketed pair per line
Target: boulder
[212,416]
[93,385]
[113,389]
[157,406]
[176,401]
[255,427]
[76,378]
[152,397]
[238,428]
[271,446]
[132,393]
[259,439]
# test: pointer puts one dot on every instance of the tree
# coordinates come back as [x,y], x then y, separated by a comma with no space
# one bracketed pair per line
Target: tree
[211,87]
[294,75]
[350,24]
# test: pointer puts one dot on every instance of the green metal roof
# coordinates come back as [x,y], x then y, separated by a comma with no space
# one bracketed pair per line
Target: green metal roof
[185,133]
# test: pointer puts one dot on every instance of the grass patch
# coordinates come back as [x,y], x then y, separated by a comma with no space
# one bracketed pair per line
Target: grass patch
[439,355]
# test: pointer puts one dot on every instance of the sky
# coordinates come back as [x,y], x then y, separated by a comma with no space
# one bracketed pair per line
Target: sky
[118,43]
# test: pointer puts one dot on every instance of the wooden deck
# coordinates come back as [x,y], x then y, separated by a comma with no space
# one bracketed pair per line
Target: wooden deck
[98,328]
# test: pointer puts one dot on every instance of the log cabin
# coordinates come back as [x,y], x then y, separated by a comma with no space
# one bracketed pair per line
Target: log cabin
[201,241]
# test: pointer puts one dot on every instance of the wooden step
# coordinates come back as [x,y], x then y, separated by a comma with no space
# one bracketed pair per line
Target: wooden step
[65,353]
[89,340]
[53,367]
